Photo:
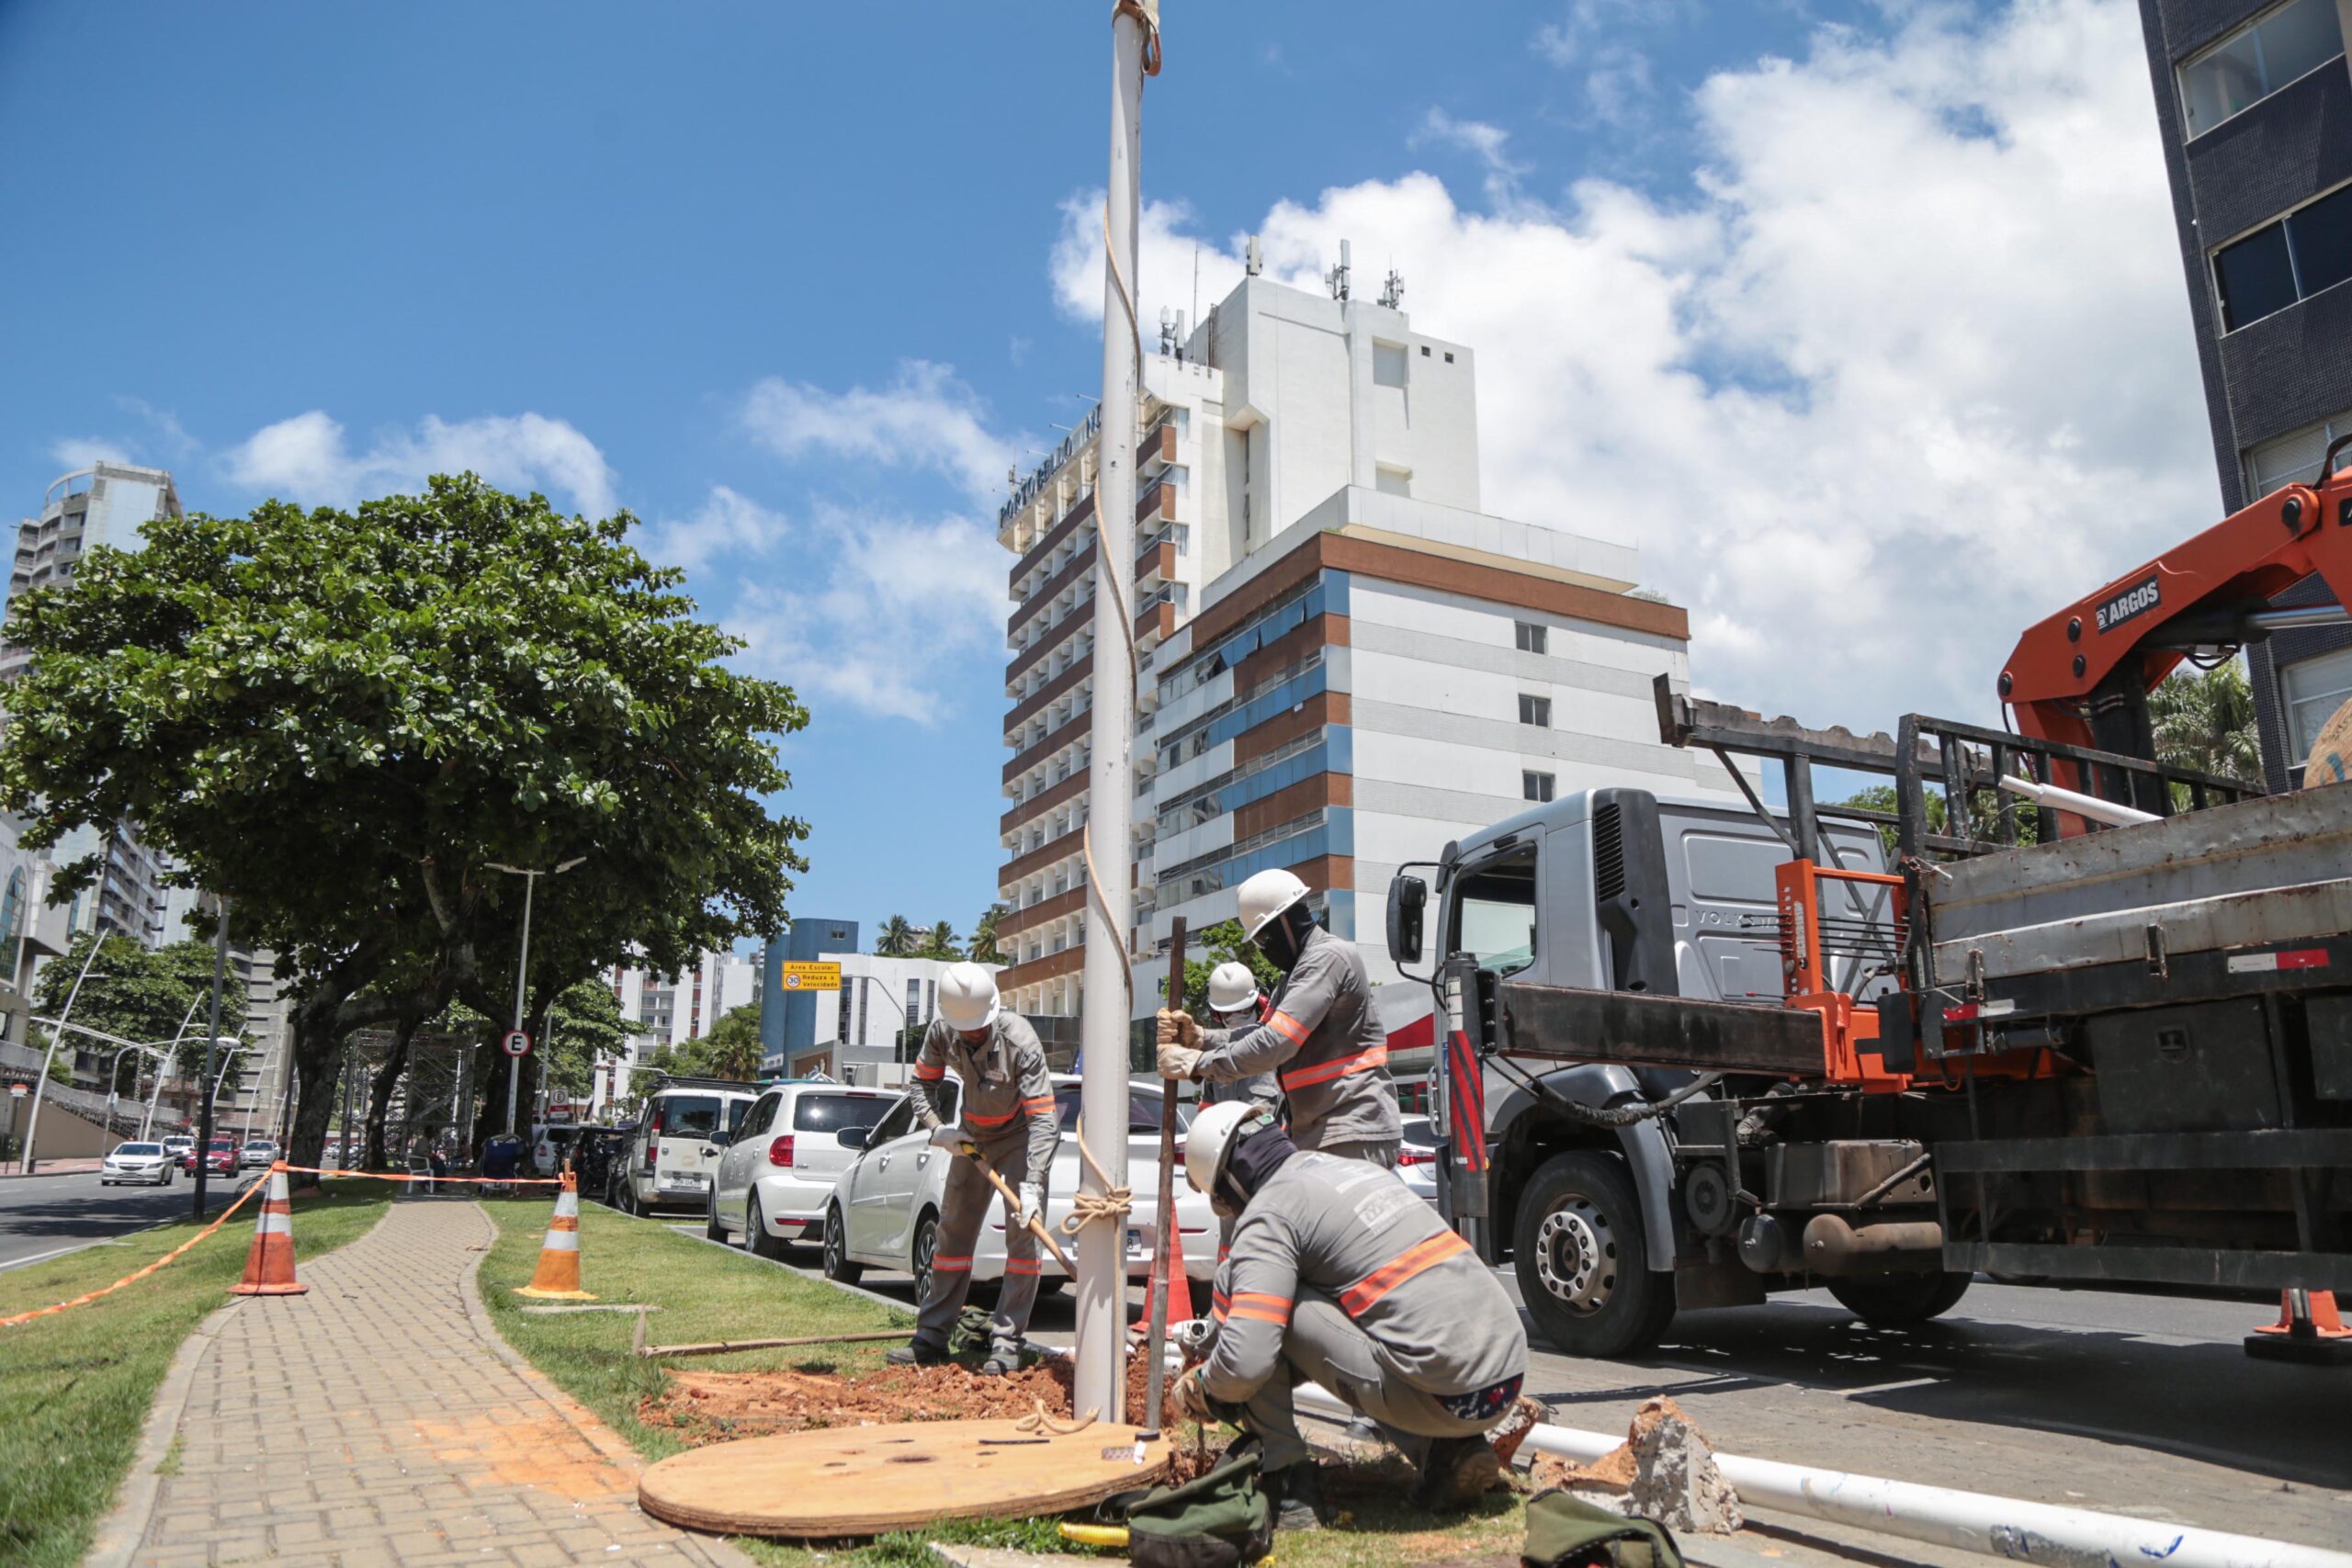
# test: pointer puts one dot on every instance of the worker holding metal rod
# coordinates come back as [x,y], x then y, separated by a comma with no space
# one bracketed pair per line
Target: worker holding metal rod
[1009,1125]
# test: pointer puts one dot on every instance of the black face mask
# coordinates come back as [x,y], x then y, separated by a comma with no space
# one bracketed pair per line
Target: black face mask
[1284,937]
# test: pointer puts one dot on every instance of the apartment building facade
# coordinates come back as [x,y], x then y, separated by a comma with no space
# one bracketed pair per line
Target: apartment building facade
[2253,104]
[1345,660]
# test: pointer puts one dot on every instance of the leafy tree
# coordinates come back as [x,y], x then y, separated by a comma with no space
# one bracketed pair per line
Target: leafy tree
[898,939]
[1985,809]
[984,947]
[585,1028]
[732,1047]
[140,995]
[340,720]
[2204,720]
[940,943]
[1222,944]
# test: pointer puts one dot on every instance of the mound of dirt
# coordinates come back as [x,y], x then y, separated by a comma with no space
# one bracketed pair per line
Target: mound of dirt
[709,1407]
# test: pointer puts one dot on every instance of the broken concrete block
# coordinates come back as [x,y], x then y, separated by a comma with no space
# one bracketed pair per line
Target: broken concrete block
[1676,1480]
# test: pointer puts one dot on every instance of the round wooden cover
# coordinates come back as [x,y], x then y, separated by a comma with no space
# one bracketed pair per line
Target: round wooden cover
[2331,759]
[862,1480]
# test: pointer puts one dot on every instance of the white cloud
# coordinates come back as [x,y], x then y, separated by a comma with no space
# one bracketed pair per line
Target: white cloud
[1489,144]
[727,525]
[81,451]
[1908,370]
[925,419]
[306,458]
[902,609]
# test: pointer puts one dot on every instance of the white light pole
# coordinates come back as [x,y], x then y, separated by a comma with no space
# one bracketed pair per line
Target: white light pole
[23,933]
[114,1079]
[32,1128]
[523,968]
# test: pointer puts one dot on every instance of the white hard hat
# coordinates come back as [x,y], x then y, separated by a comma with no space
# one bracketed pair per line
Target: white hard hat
[1208,1142]
[967,998]
[1266,894]
[1232,987]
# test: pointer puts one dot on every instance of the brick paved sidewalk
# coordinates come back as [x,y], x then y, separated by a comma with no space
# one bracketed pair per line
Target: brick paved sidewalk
[371,1422]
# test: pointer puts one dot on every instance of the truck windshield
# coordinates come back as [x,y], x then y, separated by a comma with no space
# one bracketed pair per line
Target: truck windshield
[1494,912]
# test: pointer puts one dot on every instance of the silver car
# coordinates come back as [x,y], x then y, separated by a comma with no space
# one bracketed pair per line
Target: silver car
[257,1152]
[142,1165]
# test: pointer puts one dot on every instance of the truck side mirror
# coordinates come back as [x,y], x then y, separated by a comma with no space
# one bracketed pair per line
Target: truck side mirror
[1409,896]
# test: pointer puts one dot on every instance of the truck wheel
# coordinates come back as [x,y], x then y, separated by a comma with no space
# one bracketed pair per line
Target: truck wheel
[1898,1301]
[838,1267]
[1583,1261]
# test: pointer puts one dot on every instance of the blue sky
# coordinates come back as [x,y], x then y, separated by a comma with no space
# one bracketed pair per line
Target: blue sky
[794,283]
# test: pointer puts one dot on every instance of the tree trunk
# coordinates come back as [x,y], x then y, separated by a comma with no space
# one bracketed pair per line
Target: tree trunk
[318,1059]
[379,1097]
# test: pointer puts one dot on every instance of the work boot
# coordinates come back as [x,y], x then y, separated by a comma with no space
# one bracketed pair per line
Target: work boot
[915,1353]
[1000,1364]
[1296,1493]
[1457,1473]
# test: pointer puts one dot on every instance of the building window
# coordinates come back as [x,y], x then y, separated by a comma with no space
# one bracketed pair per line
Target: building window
[2293,458]
[1535,786]
[2257,61]
[1536,711]
[1449,356]
[1531,636]
[1425,351]
[2308,249]
[2310,690]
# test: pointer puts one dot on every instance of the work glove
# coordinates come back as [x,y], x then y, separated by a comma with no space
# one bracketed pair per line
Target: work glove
[1179,1029]
[1178,1061]
[1189,1399]
[955,1141]
[1033,1205]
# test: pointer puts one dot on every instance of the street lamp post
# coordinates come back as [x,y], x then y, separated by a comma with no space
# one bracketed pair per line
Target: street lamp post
[32,1128]
[208,1088]
[522,967]
[114,1079]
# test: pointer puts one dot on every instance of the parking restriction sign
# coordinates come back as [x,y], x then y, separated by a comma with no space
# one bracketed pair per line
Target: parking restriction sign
[516,1043]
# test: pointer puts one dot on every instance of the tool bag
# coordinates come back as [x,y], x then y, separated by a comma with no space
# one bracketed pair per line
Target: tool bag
[1220,1519]
[1566,1531]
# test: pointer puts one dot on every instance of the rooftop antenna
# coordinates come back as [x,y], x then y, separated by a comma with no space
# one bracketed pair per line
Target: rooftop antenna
[1181,339]
[1167,331]
[1392,293]
[1336,278]
[1253,259]
[1196,281]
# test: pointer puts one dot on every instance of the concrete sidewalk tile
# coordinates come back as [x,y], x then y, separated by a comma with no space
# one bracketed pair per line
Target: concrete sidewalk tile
[371,1423]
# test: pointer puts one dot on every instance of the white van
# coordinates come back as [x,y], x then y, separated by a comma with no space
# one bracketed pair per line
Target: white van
[675,1149]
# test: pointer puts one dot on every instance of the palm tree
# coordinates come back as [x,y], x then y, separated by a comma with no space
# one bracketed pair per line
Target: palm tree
[2204,720]
[940,943]
[984,948]
[897,938]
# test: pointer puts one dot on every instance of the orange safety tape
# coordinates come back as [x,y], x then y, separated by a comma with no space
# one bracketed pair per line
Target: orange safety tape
[387,1175]
[260,1182]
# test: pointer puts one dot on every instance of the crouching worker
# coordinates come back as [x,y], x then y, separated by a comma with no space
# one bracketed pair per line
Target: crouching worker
[1008,1122]
[1340,1276]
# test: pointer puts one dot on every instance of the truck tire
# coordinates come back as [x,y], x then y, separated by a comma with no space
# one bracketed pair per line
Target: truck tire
[1898,1301]
[1583,1260]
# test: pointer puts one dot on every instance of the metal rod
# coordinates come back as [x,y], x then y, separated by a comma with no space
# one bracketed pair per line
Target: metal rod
[32,1128]
[1164,1217]
[2301,616]
[720,1347]
[1100,1380]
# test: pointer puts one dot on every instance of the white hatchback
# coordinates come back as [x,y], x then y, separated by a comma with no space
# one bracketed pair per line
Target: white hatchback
[144,1164]
[776,1171]
[885,1209]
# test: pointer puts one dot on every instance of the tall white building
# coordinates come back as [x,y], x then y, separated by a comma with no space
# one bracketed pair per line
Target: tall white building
[1346,661]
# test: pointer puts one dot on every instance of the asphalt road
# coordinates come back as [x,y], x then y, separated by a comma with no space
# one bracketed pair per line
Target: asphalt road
[45,1216]
[2137,1405]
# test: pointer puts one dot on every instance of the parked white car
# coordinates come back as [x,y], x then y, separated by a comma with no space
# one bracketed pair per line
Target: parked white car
[177,1145]
[676,1145]
[1417,1158]
[885,1208]
[778,1169]
[144,1164]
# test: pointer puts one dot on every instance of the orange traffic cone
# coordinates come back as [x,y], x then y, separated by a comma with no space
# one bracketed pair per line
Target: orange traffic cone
[558,1276]
[269,1266]
[1180,1296]
[2309,1329]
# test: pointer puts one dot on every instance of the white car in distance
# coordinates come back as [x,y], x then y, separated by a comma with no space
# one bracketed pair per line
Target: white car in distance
[778,1167]
[885,1208]
[145,1164]
[1417,1157]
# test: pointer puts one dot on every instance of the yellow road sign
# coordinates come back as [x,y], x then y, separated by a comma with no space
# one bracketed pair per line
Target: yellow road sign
[812,976]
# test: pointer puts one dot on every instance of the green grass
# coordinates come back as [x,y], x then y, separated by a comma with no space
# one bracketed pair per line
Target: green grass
[77,1386]
[705,1294]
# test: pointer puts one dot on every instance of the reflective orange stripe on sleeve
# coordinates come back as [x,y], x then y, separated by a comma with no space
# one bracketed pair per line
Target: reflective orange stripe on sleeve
[1261,1306]
[1324,1072]
[1359,1298]
[1041,1106]
[1219,1304]
[930,1075]
[1287,1027]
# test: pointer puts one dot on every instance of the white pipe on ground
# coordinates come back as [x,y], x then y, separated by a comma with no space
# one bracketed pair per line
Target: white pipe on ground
[1967,1521]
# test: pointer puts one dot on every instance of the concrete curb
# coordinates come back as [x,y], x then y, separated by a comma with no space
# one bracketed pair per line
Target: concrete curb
[90,1169]
[598,1436]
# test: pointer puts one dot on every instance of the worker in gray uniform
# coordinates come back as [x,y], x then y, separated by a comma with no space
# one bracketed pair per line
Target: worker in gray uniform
[1009,1121]
[1340,1276]
[1321,1038]
[1236,1002]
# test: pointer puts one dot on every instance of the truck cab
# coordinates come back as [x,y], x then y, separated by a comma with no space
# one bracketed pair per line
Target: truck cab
[1602,890]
